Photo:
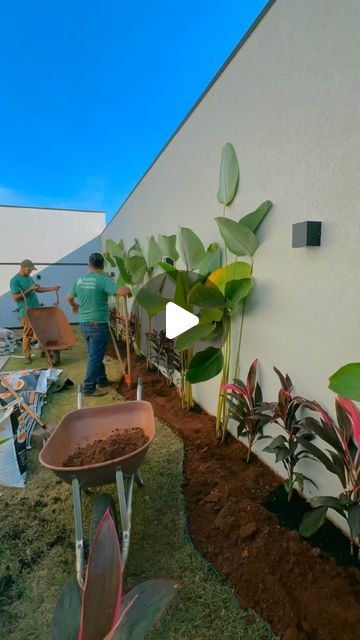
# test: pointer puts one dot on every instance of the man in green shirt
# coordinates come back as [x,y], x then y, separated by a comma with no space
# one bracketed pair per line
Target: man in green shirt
[89,298]
[23,287]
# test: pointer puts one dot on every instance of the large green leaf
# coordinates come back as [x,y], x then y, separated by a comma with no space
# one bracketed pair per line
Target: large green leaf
[211,260]
[109,259]
[195,334]
[136,266]
[228,175]
[354,520]
[167,246]
[237,290]
[113,248]
[124,273]
[183,286]
[205,365]
[103,583]
[151,301]
[254,219]
[143,607]
[312,521]
[346,381]
[233,271]
[153,253]
[66,619]
[211,315]
[170,270]
[238,238]
[206,296]
[191,248]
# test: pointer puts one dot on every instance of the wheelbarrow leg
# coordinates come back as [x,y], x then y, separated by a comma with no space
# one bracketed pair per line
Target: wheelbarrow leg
[139,478]
[125,502]
[79,535]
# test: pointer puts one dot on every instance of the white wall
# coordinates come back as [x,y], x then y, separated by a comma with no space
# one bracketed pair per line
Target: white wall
[289,103]
[57,241]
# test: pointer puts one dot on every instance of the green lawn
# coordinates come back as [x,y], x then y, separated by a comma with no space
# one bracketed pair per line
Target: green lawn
[37,552]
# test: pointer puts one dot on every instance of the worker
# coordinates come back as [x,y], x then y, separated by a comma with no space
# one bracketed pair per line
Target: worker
[89,298]
[24,290]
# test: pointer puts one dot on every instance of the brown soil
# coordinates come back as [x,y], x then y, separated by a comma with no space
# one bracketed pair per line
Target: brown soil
[120,443]
[297,588]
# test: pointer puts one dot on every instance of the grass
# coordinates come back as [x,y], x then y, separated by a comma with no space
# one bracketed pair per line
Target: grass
[37,550]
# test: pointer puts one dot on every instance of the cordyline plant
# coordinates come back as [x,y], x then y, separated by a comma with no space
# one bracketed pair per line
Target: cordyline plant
[163,353]
[343,460]
[244,400]
[289,448]
[101,611]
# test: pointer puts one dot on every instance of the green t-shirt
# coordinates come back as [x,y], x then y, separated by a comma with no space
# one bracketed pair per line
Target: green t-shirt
[22,283]
[91,292]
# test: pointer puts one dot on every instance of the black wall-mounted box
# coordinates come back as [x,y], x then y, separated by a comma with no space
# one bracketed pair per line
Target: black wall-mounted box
[306,234]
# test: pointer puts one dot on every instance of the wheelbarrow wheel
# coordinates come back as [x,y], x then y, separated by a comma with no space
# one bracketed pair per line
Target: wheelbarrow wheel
[55,357]
[102,503]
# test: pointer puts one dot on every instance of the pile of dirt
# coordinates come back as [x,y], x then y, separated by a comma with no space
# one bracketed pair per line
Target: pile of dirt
[121,442]
[296,586]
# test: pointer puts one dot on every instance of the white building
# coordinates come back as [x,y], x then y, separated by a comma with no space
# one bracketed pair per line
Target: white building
[58,241]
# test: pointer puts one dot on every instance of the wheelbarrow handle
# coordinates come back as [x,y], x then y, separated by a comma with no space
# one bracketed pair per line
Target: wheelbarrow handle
[57,299]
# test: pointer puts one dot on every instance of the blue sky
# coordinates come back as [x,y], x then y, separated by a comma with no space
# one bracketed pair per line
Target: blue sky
[91,91]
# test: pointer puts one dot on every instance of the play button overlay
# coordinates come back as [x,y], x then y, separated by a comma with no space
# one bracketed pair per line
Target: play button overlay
[178,320]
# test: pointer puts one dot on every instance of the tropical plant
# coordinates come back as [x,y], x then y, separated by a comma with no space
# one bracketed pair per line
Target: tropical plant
[346,381]
[163,353]
[101,611]
[343,460]
[240,240]
[244,400]
[288,448]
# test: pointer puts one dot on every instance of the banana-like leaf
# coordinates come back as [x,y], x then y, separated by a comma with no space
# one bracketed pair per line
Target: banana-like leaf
[312,521]
[354,520]
[109,259]
[233,271]
[153,253]
[254,219]
[170,270]
[183,286]
[103,583]
[195,334]
[143,607]
[238,238]
[206,296]
[167,246]
[346,381]
[124,274]
[137,267]
[211,260]
[66,619]
[151,301]
[228,175]
[191,248]
[211,315]
[205,365]
[237,290]
[114,249]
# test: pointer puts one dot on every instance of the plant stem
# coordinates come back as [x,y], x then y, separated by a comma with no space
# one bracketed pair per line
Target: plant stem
[237,361]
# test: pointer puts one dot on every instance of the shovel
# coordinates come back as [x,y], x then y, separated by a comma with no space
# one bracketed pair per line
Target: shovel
[40,437]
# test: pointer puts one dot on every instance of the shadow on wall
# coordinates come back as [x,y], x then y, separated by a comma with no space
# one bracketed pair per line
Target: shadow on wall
[63,272]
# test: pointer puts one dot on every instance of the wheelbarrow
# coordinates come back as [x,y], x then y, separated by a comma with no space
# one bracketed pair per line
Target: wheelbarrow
[84,426]
[51,329]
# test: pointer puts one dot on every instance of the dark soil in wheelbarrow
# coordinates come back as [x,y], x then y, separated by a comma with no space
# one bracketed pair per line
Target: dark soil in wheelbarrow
[120,443]
[298,587]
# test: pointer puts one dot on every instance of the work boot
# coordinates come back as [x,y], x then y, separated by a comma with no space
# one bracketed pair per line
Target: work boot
[97,393]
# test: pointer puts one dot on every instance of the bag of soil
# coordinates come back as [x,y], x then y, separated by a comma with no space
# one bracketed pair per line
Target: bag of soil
[13,457]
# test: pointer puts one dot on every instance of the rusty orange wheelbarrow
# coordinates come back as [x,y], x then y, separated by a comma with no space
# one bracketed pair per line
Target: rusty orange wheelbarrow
[51,329]
[85,426]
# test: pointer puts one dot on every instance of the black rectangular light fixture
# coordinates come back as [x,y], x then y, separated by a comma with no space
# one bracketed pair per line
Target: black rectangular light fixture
[306,234]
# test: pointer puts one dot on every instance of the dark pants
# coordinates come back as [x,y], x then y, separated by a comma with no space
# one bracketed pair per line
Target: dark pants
[96,338]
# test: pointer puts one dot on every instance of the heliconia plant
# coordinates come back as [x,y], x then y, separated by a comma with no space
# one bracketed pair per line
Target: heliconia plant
[343,460]
[244,400]
[289,447]
[101,611]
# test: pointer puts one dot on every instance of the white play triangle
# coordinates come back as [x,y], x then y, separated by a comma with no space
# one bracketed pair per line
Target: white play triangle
[178,320]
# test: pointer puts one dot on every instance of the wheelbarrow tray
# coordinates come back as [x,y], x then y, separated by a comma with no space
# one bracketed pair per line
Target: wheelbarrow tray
[51,328]
[84,426]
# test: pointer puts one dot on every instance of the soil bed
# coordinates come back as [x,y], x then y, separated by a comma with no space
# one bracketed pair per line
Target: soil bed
[298,588]
[120,443]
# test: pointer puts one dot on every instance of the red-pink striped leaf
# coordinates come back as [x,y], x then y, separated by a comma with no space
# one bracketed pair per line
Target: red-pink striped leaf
[354,413]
